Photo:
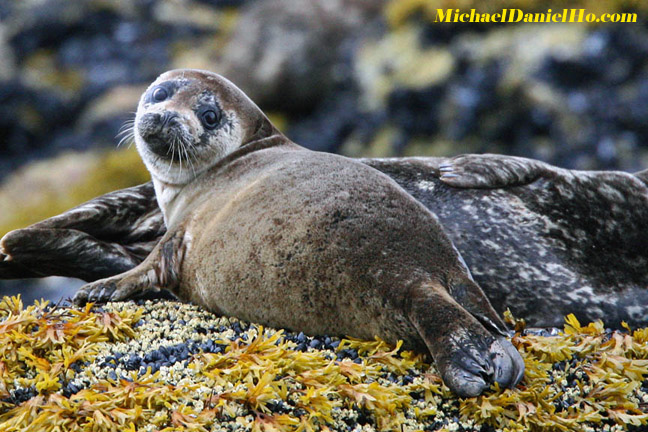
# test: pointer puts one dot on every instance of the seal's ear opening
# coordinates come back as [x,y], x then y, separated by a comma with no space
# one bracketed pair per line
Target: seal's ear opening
[262,129]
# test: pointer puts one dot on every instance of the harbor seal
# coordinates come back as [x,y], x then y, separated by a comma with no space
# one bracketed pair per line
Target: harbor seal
[540,240]
[267,231]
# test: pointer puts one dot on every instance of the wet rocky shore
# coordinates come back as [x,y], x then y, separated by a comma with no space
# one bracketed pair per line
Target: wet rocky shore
[166,366]
[371,78]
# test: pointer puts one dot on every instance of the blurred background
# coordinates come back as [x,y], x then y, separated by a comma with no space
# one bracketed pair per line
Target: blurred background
[357,77]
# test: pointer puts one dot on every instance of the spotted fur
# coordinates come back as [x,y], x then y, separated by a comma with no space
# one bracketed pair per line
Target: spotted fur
[540,240]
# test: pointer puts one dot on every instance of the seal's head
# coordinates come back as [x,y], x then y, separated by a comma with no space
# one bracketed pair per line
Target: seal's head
[188,120]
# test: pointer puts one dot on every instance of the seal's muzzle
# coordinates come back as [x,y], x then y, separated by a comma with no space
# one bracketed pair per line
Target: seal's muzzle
[158,131]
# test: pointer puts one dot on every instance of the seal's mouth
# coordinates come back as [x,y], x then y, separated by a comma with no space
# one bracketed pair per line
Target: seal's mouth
[162,132]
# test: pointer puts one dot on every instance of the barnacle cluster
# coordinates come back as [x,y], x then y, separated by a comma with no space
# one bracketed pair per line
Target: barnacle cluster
[165,366]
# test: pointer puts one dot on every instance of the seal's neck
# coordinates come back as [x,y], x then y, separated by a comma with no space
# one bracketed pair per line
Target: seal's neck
[169,195]
[166,194]
[250,147]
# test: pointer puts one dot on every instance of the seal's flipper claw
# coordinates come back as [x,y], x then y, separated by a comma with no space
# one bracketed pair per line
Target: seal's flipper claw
[8,241]
[81,297]
[507,362]
[446,168]
[475,361]
[140,279]
[518,366]
[11,265]
[103,294]
[114,288]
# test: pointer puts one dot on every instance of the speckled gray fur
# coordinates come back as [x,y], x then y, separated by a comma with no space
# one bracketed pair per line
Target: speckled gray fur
[540,240]
[102,237]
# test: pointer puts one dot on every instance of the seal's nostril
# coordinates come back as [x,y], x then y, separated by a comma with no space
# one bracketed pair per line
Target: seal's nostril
[150,122]
[168,117]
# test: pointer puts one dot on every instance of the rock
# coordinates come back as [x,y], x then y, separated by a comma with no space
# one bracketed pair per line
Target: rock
[8,64]
[396,60]
[566,94]
[285,54]
[339,73]
[69,54]
[106,115]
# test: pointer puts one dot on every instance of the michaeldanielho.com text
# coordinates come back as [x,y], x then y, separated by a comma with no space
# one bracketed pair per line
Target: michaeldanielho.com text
[518,15]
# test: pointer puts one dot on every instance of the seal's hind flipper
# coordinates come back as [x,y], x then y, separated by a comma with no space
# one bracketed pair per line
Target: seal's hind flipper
[33,252]
[102,237]
[127,214]
[12,270]
[471,297]
[490,171]
[468,356]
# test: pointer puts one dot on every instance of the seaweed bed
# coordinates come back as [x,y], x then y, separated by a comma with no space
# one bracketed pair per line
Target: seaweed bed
[161,365]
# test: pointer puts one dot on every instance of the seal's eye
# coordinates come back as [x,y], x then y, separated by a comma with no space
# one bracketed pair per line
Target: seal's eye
[210,119]
[160,94]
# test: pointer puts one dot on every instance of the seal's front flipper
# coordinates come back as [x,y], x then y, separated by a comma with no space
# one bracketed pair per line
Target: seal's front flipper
[104,236]
[159,270]
[468,356]
[115,288]
[490,171]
